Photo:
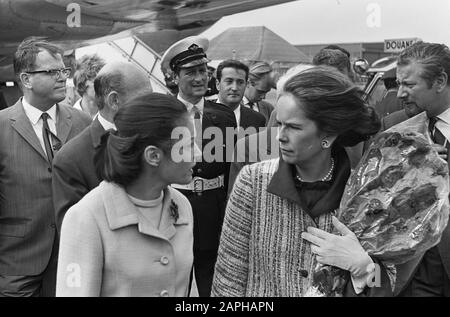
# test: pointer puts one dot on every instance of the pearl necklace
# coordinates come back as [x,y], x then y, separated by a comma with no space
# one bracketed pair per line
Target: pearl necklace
[326,178]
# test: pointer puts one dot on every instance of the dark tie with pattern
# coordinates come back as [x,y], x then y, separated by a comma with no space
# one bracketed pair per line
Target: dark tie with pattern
[436,134]
[197,126]
[47,134]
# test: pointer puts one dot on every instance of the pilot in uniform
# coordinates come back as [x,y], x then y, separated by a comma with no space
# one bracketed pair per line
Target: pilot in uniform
[207,192]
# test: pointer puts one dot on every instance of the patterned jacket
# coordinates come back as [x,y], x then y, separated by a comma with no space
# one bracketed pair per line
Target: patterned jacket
[261,251]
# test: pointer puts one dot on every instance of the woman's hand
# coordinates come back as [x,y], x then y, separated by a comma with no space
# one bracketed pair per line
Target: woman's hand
[342,251]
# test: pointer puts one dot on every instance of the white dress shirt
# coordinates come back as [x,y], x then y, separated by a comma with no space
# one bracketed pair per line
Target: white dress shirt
[443,124]
[105,123]
[189,106]
[246,103]
[34,115]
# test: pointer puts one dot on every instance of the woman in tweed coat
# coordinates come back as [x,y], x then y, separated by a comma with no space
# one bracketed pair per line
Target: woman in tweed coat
[279,214]
[133,234]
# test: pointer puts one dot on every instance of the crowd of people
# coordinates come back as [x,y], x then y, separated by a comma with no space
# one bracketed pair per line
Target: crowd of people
[94,200]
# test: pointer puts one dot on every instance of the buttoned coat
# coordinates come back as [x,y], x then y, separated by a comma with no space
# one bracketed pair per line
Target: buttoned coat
[117,252]
[27,220]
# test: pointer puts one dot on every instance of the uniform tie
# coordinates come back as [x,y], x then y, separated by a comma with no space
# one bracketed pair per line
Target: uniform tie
[197,126]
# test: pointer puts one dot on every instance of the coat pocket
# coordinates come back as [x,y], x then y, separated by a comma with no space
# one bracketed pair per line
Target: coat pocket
[13,230]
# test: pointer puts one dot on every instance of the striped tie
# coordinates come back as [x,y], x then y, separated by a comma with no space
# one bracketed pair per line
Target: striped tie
[436,134]
[46,134]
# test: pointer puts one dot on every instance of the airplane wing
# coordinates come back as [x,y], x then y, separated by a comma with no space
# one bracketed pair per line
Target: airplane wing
[106,19]
[177,14]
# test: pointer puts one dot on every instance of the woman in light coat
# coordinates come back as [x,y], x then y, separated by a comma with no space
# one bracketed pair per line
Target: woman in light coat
[279,216]
[132,235]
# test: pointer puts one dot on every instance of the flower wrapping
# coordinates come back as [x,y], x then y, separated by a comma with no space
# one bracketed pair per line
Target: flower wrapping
[396,200]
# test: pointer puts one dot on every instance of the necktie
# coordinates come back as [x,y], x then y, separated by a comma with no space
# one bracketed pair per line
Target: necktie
[252,106]
[46,134]
[197,126]
[436,134]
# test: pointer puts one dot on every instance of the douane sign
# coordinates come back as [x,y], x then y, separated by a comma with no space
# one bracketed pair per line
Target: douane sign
[398,45]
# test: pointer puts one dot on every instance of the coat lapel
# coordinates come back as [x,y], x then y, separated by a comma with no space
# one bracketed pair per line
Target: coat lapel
[21,123]
[97,131]
[63,123]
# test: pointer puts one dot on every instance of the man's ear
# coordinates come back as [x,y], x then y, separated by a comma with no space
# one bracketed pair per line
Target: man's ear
[217,84]
[113,100]
[25,80]
[441,82]
[153,155]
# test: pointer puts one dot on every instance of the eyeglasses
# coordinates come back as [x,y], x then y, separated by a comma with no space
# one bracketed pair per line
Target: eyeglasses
[54,73]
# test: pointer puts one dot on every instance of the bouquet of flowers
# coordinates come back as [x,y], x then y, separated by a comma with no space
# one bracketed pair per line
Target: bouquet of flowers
[395,201]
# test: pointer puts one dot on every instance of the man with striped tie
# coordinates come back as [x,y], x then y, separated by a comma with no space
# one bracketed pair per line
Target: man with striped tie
[423,76]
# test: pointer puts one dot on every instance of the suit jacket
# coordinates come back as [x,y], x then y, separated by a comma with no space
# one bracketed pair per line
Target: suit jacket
[209,206]
[118,252]
[406,271]
[393,119]
[265,108]
[27,221]
[74,172]
[389,104]
[251,118]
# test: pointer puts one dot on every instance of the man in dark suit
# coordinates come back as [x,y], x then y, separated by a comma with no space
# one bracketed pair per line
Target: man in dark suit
[31,132]
[422,72]
[232,78]
[259,84]
[389,103]
[73,167]
[208,190]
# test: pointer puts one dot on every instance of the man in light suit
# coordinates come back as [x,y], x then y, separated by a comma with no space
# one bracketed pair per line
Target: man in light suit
[232,77]
[259,84]
[74,173]
[31,132]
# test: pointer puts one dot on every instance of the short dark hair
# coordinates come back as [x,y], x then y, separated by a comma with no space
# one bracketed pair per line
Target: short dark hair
[434,58]
[145,120]
[334,103]
[231,63]
[87,69]
[334,58]
[106,82]
[25,55]
[337,47]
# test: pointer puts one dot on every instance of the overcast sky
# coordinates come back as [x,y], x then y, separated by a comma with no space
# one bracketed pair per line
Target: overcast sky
[346,21]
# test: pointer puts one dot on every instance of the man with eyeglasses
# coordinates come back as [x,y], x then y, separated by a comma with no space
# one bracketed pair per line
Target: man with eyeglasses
[31,131]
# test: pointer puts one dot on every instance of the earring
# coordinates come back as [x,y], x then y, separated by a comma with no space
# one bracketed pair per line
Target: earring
[325,144]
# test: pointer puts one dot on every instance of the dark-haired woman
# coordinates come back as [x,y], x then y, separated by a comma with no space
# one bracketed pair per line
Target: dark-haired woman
[133,234]
[280,213]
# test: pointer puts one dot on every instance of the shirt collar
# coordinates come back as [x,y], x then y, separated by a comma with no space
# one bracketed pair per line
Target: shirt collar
[245,101]
[445,116]
[34,114]
[105,123]
[200,105]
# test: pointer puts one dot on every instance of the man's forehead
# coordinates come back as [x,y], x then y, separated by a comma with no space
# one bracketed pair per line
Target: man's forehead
[45,56]
[232,72]
[412,69]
